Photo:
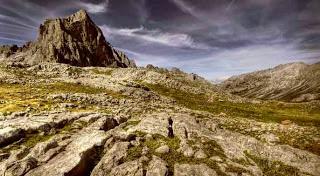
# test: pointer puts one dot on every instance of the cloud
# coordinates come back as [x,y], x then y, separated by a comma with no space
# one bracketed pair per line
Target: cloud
[94,8]
[213,38]
[193,11]
[140,6]
[12,39]
[229,6]
[16,21]
[22,11]
[155,36]
[15,26]
[143,59]
[226,63]
[186,7]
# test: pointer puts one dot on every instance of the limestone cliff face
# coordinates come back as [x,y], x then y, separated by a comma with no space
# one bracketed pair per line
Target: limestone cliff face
[74,40]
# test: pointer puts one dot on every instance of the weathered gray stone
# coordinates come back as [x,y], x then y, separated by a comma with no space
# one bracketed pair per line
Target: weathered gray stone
[9,134]
[193,170]
[157,167]
[131,168]
[216,159]
[111,159]
[149,137]
[41,122]
[229,141]
[13,158]
[185,149]
[270,138]
[68,105]
[186,126]
[21,167]
[73,40]
[145,150]
[163,149]
[200,154]
[76,157]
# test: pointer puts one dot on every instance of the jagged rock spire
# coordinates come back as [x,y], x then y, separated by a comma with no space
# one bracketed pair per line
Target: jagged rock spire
[74,40]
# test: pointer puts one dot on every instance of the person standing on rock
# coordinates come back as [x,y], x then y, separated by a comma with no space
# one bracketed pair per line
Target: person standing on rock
[170,129]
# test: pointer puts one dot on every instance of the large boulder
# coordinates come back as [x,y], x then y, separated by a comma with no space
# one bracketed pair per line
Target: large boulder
[111,159]
[157,167]
[9,134]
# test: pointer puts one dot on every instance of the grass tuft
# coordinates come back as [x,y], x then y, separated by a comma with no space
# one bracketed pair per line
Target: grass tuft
[273,168]
[102,72]
[173,157]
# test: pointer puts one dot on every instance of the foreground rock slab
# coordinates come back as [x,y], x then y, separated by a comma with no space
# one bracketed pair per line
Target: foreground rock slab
[157,167]
[193,170]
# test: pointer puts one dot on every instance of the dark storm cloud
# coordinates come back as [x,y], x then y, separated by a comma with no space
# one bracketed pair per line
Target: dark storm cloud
[215,38]
[126,13]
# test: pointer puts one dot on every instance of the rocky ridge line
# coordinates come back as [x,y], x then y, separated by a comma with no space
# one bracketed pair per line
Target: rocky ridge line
[73,40]
[295,82]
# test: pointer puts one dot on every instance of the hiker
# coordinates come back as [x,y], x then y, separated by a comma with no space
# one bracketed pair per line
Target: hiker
[170,129]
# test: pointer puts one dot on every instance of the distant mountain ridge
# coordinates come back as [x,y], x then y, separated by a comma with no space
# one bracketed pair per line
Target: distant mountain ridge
[295,82]
[73,40]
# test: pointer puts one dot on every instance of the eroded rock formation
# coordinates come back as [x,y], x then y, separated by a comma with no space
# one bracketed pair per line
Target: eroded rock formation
[61,120]
[73,40]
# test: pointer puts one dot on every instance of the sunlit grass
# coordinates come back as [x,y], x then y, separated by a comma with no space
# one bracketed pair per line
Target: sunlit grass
[301,113]
[102,71]
[19,97]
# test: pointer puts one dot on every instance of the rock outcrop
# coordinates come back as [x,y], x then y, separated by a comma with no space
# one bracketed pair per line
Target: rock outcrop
[61,120]
[73,40]
[295,82]
[195,170]
[57,119]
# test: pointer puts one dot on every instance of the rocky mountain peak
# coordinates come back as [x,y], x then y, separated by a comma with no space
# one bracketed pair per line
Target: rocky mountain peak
[80,15]
[73,40]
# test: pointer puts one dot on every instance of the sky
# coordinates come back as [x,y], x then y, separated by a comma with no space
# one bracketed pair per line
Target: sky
[213,38]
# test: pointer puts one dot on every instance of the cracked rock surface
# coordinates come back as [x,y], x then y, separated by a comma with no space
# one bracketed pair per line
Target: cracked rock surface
[57,119]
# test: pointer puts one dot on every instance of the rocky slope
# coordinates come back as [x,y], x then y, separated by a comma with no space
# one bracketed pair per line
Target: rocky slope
[58,119]
[62,120]
[74,40]
[295,82]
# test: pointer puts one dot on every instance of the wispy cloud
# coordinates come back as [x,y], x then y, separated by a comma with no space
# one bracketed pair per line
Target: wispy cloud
[16,26]
[94,8]
[143,59]
[21,14]
[12,39]
[186,7]
[16,21]
[207,17]
[191,10]
[230,4]
[231,62]
[155,36]
[215,39]
[140,6]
